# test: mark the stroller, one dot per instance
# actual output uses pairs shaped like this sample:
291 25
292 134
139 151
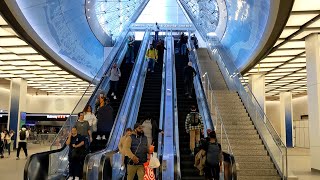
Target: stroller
1 149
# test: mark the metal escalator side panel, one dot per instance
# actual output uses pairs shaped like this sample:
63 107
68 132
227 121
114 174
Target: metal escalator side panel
168 158
93 161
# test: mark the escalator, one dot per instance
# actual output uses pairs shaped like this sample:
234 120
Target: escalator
126 69
52 164
188 171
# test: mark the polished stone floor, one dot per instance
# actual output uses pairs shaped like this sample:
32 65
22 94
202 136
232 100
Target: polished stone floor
12 169
299 163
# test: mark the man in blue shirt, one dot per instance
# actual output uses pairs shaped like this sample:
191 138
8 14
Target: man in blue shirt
76 150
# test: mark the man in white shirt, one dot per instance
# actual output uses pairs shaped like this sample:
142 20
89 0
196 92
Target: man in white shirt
22 141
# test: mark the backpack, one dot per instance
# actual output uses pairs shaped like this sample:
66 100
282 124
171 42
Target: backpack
213 153
194 119
23 135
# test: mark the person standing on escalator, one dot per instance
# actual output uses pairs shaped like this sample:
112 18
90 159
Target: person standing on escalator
189 74
130 51
115 75
83 128
194 126
76 154
104 118
152 56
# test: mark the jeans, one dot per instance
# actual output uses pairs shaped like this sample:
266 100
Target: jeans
130 55
8 147
188 85
114 87
183 49
22 145
151 64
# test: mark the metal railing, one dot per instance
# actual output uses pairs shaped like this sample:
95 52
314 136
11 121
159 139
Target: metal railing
209 109
272 141
93 167
58 161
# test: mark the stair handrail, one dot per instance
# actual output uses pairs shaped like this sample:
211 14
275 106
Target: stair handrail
234 80
208 93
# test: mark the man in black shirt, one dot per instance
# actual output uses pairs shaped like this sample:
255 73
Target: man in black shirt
76 150
188 74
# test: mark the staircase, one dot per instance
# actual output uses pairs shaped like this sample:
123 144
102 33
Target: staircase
250 154
188 171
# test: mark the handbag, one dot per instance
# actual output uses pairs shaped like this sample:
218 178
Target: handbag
154 162
148 172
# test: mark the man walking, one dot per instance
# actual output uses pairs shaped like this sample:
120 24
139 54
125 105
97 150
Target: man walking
22 141
194 126
83 128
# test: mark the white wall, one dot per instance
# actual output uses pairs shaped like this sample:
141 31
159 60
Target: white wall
273 114
54 104
299 106
4 98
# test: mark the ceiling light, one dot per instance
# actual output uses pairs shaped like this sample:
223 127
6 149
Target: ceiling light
302 5
2 21
293 44
276 59
12 41
292 52
300 19
305 33
33 57
22 50
4 32
287 32
9 56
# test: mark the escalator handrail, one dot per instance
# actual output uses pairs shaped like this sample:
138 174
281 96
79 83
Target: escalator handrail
26 166
135 103
121 108
176 122
113 54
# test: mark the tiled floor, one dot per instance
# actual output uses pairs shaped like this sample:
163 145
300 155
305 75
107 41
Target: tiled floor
299 164
12 169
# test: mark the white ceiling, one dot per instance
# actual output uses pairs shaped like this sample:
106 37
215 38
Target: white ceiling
20 60
285 66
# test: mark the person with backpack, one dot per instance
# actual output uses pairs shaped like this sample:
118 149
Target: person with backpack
213 158
152 56
130 51
194 126
22 141
115 75
136 148
7 141
83 128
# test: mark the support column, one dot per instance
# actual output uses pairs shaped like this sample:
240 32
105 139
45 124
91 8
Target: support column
257 84
286 118
313 83
17 105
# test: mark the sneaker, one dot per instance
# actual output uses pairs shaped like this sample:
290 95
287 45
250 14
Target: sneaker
152 71
114 97
98 137
192 153
148 70
70 178
112 94
17 158
103 137
76 178
190 97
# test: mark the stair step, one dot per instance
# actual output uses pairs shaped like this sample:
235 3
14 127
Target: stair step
242 152
245 147
257 172
258 177
256 165
245 159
